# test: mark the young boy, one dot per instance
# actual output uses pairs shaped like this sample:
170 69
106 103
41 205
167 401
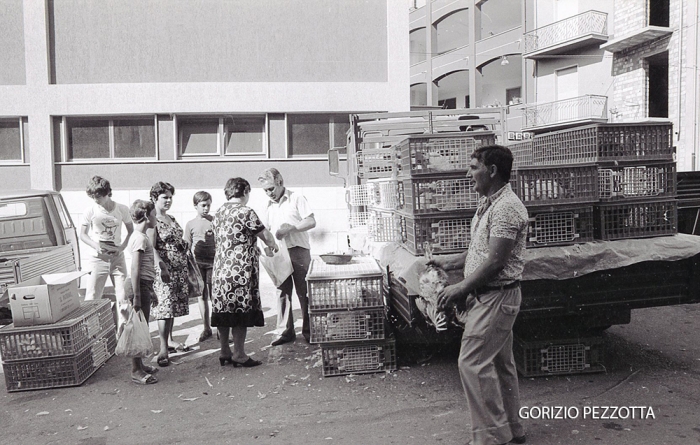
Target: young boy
101 230
200 236
143 272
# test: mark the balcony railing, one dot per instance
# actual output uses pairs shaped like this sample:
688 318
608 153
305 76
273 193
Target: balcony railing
586 23
576 109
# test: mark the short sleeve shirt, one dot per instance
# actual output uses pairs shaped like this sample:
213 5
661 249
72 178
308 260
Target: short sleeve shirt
200 236
502 215
139 242
291 209
104 225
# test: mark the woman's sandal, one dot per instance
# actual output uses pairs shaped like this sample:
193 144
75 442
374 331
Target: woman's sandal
247 364
147 379
181 347
163 362
149 369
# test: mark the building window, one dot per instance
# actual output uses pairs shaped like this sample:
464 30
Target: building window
657 88
221 136
315 134
513 96
448 104
12 139
110 138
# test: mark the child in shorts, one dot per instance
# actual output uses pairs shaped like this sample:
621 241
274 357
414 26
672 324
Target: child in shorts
143 272
200 237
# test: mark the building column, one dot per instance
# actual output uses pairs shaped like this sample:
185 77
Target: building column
36 53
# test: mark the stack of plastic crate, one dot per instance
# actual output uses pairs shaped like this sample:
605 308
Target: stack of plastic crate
437 200
347 317
601 181
61 354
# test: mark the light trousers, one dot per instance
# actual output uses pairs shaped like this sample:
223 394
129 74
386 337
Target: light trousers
487 368
301 260
105 266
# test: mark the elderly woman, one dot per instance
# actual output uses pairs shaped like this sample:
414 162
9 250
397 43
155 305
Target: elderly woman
235 291
170 248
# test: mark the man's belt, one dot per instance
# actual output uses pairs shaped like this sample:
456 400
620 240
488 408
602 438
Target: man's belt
483 289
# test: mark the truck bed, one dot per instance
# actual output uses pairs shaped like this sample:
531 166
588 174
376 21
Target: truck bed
23 265
584 280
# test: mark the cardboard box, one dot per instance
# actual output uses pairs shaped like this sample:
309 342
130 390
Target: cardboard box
45 299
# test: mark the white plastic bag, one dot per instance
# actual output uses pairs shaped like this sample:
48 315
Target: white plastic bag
279 266
135 340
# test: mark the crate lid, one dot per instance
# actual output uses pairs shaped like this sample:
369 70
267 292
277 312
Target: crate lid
360 266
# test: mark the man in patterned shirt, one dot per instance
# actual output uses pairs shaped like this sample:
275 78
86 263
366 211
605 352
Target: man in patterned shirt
493 267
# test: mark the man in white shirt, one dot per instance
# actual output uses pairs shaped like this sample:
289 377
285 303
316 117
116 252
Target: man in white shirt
289 217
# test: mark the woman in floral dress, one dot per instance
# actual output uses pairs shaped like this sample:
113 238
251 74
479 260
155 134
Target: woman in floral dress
170 248
235 291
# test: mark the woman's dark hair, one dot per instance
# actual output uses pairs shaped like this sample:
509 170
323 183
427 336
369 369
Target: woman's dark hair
140 210
160 188
97 187
497 155
236 188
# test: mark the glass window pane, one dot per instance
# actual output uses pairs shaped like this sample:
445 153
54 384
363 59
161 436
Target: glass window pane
199 137
10 146
88 138
309 134
244 134
134 138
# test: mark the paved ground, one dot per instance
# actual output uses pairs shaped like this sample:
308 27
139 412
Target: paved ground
653 362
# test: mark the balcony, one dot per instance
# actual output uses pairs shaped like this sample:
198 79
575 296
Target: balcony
585 29
562 113
643 35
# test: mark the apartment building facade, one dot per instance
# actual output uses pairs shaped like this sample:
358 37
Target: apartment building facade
193 92
556 63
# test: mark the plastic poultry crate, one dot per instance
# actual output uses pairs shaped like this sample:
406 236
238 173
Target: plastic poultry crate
442 233
604 142
639 219
358 358
383 226
535 358
377 163
439 153
573 184
560 225
355 285
344 326
65 337
437 193
617 183
358 219
522 154
56 372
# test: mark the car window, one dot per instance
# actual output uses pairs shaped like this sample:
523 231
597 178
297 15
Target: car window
63 212
12 209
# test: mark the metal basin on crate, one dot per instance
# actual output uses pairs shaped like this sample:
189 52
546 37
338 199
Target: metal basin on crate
336 258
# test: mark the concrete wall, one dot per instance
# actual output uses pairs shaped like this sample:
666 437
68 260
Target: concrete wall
182 57
12 70
218 41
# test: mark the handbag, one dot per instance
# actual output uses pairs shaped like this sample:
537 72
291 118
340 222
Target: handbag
279 266
194 277
135 340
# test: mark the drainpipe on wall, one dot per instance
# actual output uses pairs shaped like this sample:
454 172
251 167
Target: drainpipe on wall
680 75
696 77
